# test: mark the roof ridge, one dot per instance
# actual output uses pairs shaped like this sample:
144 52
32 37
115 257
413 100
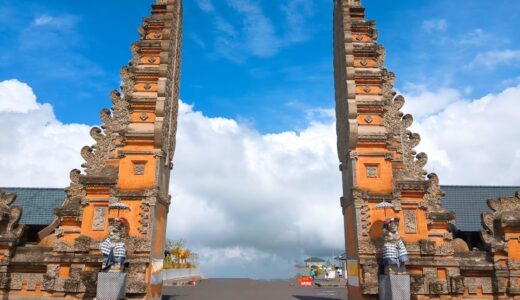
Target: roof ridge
33 188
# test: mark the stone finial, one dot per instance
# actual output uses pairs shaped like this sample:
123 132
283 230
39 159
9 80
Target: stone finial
9 217
505 212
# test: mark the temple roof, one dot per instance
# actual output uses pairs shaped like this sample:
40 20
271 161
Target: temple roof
38 203
468 202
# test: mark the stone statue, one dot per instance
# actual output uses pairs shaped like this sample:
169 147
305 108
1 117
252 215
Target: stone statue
113 247
394 252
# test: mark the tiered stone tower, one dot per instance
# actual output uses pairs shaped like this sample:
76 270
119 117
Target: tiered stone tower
379 163
128 166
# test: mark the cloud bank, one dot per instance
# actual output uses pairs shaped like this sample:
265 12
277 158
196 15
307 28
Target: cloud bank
251 204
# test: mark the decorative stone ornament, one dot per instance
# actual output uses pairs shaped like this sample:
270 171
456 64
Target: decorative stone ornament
10 230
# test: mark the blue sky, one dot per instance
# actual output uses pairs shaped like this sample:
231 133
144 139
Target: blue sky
257 90
265 63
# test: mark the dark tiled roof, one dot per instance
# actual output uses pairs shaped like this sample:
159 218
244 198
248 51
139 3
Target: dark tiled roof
314 259
468 202
38 203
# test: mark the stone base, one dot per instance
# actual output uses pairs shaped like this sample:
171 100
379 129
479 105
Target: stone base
111 286
394 287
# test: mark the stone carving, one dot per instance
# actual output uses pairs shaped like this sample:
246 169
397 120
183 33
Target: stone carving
113 248
396 199
410 221
388 86
82 243
136 278
99 219
5 280
434 194
395 255
417 284
457 285
89 280
127 77
114 122
392 115
372 171
10 215
437 287
139 168
476 283
171 107
367 246
505 212
427 247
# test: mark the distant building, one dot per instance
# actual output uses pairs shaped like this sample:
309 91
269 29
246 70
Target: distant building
315 262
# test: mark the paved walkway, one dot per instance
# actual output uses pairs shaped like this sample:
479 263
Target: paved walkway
247 289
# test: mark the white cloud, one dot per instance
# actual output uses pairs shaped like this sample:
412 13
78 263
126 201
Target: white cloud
296 14
63 22
224 26
205 5
434 25
474 141
43 20
476 37
422 102
36 149
259 200
258 30
252 33
491 59
16 97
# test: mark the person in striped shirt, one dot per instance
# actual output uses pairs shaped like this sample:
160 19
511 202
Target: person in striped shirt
394 251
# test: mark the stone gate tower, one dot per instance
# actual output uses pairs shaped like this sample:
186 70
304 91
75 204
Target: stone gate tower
126 174
379 163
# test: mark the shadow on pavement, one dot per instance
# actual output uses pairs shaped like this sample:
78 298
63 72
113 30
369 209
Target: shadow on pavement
314 298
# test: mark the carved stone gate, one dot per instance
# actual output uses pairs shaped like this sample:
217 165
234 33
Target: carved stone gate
379 163
128 166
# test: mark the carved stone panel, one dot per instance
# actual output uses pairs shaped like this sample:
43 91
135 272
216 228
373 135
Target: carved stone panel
410 221
372 171
457 285
99 219
139 167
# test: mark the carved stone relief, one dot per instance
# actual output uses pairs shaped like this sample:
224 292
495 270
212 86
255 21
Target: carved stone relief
410 221
372 171
505 211
99 219
139 167
10 217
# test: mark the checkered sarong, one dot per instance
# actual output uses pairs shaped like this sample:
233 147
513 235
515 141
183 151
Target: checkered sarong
118 248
